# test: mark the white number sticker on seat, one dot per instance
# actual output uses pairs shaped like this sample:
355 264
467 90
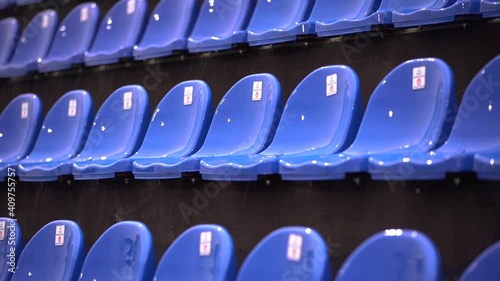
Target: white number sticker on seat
60 235
84 14
188 95
25 110
72 108
294 247
2 230
130 7
127 101
419 78
257 91
331 85
45 21
205 243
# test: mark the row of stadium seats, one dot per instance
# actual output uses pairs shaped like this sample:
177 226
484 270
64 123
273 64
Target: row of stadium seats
206 252
180 25
411 129
6 3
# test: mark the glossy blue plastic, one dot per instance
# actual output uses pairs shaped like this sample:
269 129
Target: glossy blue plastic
485 266
399 119
33 46
393 255
63 134
124 252
6 3
12 240
45 257
168 29
72 39
9 28
490 8
277 21
487 164
118 33
316 121
176 129
220 24
183 259
270 259
26 2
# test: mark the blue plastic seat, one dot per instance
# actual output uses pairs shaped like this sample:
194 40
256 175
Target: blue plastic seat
410 111
168 29
485 266
316 120
393 255
72 39
124 252
177 129
62 136
232 131
487 164
289 253
10 237
32 46
277 21
6 3
20 122
118 33
490 8
203 252
26 2
55 252
220 24
476 128
9 30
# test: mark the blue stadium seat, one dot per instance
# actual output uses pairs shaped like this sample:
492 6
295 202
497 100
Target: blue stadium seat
6 3
33 45
393 255
124 252
320 118
118 33
61 138
410 111
177 129
490 8
487 164
203 252
476 128
231 132
72 39
10 237
289 253
9 30
55 252
168 29
20 122
277 21
26 2
220 24
485 266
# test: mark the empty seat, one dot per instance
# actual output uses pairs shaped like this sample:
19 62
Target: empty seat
319 118
9 30
289 253
55 252
203 252
277 21
11 238
32 46
220 24
168 29
490 8
72 39
485 266
20 122
393 255
410 111
476 128
124 252
26 2
61 138
118 32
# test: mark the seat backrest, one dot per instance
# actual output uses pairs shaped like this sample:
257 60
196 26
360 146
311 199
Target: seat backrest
278 14
406 6
180 122
122 26
11 238
64 129
119 125
76 32
203 252
9 30
412 108
289 253
246 118
124 252
393 255
328 10
20 123
55 252
36 38
485 266
322 114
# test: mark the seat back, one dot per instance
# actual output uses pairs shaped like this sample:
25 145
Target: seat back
393 255
246 118
11 238
412 108
124 252
119 125
9 28
289 253
485 266
55 252
20 123
328 10
279 14
180 122
64 129
405 6
203 252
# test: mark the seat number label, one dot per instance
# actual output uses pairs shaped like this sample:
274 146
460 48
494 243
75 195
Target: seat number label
257 91
25 110
2 230
130 7
331 85
59 241
127 101
205 243
419 78
294 251
72 108
84 14
188 95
